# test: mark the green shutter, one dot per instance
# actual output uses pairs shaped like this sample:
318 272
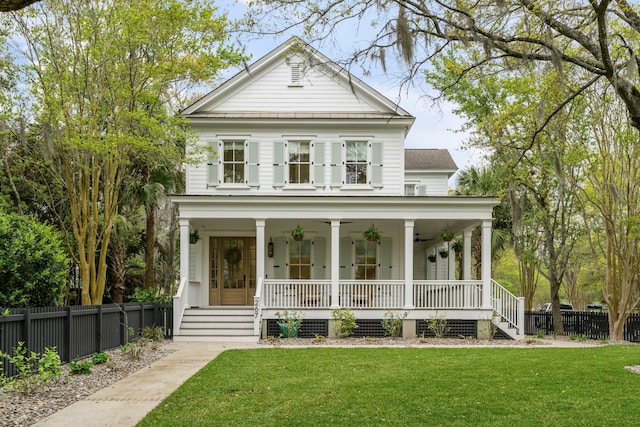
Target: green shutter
376 164
213 178
337 174
280 258
252 154
279 163
346 258
385 254
318 164
319 257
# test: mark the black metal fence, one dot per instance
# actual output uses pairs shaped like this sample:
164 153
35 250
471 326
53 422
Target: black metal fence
80 331
591 325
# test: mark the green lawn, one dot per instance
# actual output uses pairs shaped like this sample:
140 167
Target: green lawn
410 387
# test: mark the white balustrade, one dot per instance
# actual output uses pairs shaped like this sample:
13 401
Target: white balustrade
445 294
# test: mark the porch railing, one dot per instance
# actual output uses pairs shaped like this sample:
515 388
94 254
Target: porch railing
180 303
447 294
292 294
507 306
371 294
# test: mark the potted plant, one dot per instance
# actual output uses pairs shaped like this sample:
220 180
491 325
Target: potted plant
372 234
432 258
297 233
446 235
443 253
194 236
457 246
289 323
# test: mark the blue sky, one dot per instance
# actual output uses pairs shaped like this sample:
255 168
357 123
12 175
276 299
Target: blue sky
435 125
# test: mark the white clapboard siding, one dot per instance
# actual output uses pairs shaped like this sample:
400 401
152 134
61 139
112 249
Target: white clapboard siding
272 92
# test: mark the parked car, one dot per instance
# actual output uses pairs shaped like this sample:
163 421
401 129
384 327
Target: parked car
564 306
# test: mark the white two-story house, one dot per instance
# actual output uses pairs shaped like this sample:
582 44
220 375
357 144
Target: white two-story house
295 141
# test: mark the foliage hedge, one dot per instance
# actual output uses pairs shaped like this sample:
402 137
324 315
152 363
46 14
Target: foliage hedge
33 263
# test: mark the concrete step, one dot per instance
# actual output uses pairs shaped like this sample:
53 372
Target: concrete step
190 317
216 338
216 332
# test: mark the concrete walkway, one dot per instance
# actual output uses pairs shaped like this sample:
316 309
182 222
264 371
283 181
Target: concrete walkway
126 402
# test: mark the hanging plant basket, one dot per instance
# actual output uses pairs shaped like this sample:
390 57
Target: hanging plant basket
444 253
194 237
372 234
233 255
432 258
297 233
446 235
457 246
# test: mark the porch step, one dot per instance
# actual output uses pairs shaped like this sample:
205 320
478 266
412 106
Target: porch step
506 328
217 324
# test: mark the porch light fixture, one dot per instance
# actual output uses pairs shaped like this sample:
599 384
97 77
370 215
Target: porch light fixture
270 248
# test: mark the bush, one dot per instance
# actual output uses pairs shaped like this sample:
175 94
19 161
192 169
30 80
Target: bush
80 368
149 295
152 334
33 263
345 322
32 369
100 358
392 323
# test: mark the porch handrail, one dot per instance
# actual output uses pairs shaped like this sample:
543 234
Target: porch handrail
258 304
372 294
447 294
180 304
294 294
509 307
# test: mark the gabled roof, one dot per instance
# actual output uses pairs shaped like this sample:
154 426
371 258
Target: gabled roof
382 107
429 160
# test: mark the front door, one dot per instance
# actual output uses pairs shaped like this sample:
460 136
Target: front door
233 270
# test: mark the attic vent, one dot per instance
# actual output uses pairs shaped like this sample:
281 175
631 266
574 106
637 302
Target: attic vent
296 75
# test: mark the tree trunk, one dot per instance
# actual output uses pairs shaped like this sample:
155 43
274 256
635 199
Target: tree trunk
149 251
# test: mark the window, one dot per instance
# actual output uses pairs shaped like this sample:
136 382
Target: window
409 189
233 162
356 162
299 259
299 162
366 260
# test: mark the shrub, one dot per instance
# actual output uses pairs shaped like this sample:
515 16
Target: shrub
149 295
131 350
437 324
32 369
392 323
100 358
345 322
152 334
80 368
33 263
289 323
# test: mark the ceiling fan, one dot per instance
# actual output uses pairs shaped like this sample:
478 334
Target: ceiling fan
418 239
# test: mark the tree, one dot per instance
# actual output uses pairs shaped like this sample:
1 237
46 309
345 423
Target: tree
611 203
10 5
597 39
33 263
503 110
104 76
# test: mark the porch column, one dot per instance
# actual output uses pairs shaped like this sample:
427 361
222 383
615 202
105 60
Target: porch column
466 255
184 248
335 263
408 264
452 262
260 243
486 264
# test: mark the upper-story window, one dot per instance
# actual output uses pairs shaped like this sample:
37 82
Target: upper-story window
233 162
299 162
356 162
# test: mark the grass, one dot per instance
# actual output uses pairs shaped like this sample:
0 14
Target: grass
409 387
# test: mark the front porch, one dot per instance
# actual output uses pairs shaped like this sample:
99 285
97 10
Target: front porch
247 257
458 300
